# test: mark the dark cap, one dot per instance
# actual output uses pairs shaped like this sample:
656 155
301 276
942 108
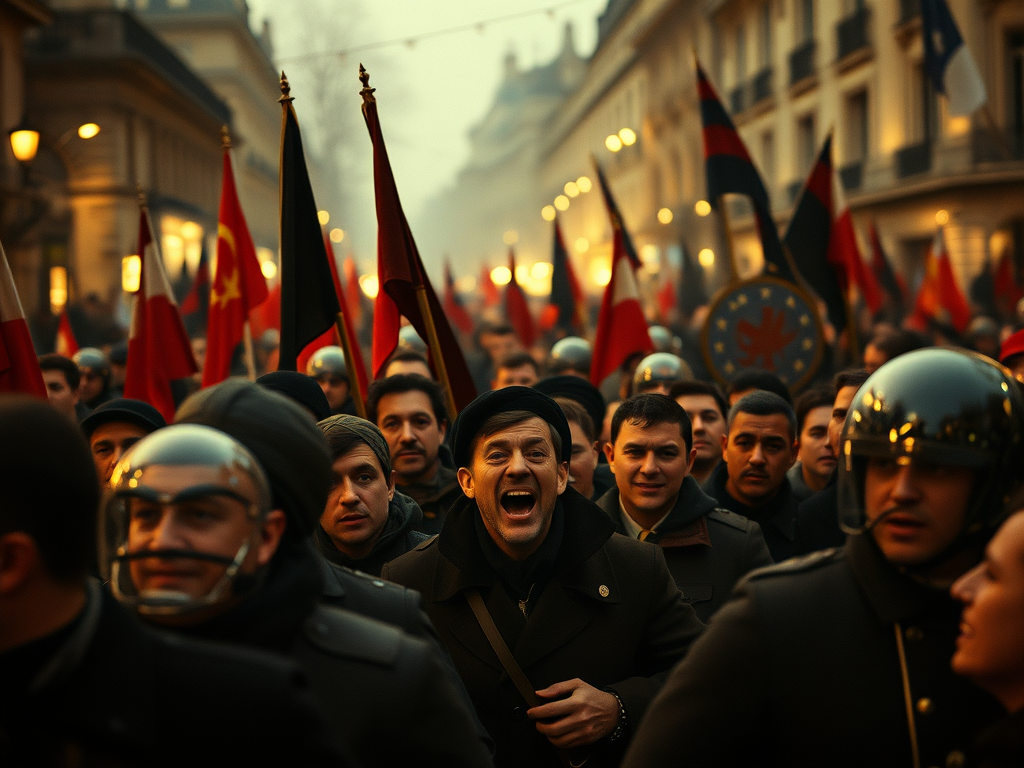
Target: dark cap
300 388
580 390
142 415
282 436
467 425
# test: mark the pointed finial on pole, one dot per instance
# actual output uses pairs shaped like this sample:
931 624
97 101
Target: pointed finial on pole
141 196
286 89
225 137
367 91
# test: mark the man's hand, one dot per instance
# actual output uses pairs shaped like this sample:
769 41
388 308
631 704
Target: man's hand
581 715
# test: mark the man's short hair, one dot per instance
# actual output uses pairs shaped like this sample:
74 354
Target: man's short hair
518 360
893 342
506 419
758 379
648 410
54 362
851 377
408 356
406 382
818 397
686 388
495 329
574 412
55 496
762 403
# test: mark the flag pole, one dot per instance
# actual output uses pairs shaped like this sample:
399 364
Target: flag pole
723 212
358 396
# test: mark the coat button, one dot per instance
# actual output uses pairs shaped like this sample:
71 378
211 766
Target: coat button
925 706
603 591
914 634
518 714
956 759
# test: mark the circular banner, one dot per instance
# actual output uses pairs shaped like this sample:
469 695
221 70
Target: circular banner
767 324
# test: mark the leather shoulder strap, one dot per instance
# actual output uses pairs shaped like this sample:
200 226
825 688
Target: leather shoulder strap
515 673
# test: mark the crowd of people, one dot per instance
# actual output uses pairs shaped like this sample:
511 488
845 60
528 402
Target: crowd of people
653 572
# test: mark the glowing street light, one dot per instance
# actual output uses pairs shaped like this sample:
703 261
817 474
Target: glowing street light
511 237
337 235
562 203
582 245
628 136
613 142
583 182
702 208
548 213
24 142
541 270
706 257
665 216
131 273
370 285
942 217
571 189
88 130
323 217
501 275
269 269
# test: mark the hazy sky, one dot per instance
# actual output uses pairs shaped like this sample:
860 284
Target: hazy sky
429 94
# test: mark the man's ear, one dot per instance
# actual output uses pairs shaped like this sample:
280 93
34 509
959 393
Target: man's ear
19 557
466 481
609 452
563 477
689 461
725 444
270 536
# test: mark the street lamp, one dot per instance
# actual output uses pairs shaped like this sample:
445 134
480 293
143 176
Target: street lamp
24 142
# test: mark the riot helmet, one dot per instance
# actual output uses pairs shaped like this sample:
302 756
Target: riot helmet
938 406
570 354
92 358
95 375
409 338
660 371
183 516
661 338
327 363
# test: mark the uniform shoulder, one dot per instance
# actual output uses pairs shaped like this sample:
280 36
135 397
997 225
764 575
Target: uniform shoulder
349 635
731 519
815 561
431 541
373 596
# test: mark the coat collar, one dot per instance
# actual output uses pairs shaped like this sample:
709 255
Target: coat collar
691 505
780 512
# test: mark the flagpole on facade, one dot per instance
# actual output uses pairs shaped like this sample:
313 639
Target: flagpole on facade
723 212
358 396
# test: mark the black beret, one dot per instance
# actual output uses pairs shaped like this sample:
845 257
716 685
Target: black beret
135 412
282 436
300 388
580 390
467 425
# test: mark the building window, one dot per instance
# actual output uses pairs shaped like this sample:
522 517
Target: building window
805 20
768 159
856 146
805 144
764 42
741 54
923 106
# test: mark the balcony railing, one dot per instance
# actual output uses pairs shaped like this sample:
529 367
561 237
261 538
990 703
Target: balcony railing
997 145
913 159
738 98
852 175
852 32
801 63
762 85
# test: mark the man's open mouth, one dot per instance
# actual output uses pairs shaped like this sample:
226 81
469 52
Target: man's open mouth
517 503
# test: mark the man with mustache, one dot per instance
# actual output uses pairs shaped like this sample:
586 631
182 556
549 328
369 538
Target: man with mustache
842 658
409 410
527 569
757 451
708 549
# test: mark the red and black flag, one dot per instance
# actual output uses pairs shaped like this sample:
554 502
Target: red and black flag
402 279
195 304
889 280
309 304
517 310
808 235
566 305
616 217
729 169
453 303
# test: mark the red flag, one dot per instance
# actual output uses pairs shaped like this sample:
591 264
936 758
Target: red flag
492 297
19 366
888 279
158 347
453 304
197 298
238 287
353 293
843 250
567 305
666 296
939 292
1005 287
516 308
268 314
402 279
67 344
621 327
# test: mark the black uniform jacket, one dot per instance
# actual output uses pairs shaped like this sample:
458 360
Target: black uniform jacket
385 692
609 614
109 691
707 548
434 498
803 668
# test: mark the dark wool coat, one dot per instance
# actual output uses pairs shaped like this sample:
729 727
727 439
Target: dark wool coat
610 614
803 668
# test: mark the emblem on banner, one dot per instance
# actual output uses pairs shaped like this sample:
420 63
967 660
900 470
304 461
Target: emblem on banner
763 323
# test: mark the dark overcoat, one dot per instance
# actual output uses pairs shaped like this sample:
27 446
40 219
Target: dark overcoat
610 614
833 659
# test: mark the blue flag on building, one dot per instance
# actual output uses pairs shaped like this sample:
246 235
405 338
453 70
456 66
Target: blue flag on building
949 61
